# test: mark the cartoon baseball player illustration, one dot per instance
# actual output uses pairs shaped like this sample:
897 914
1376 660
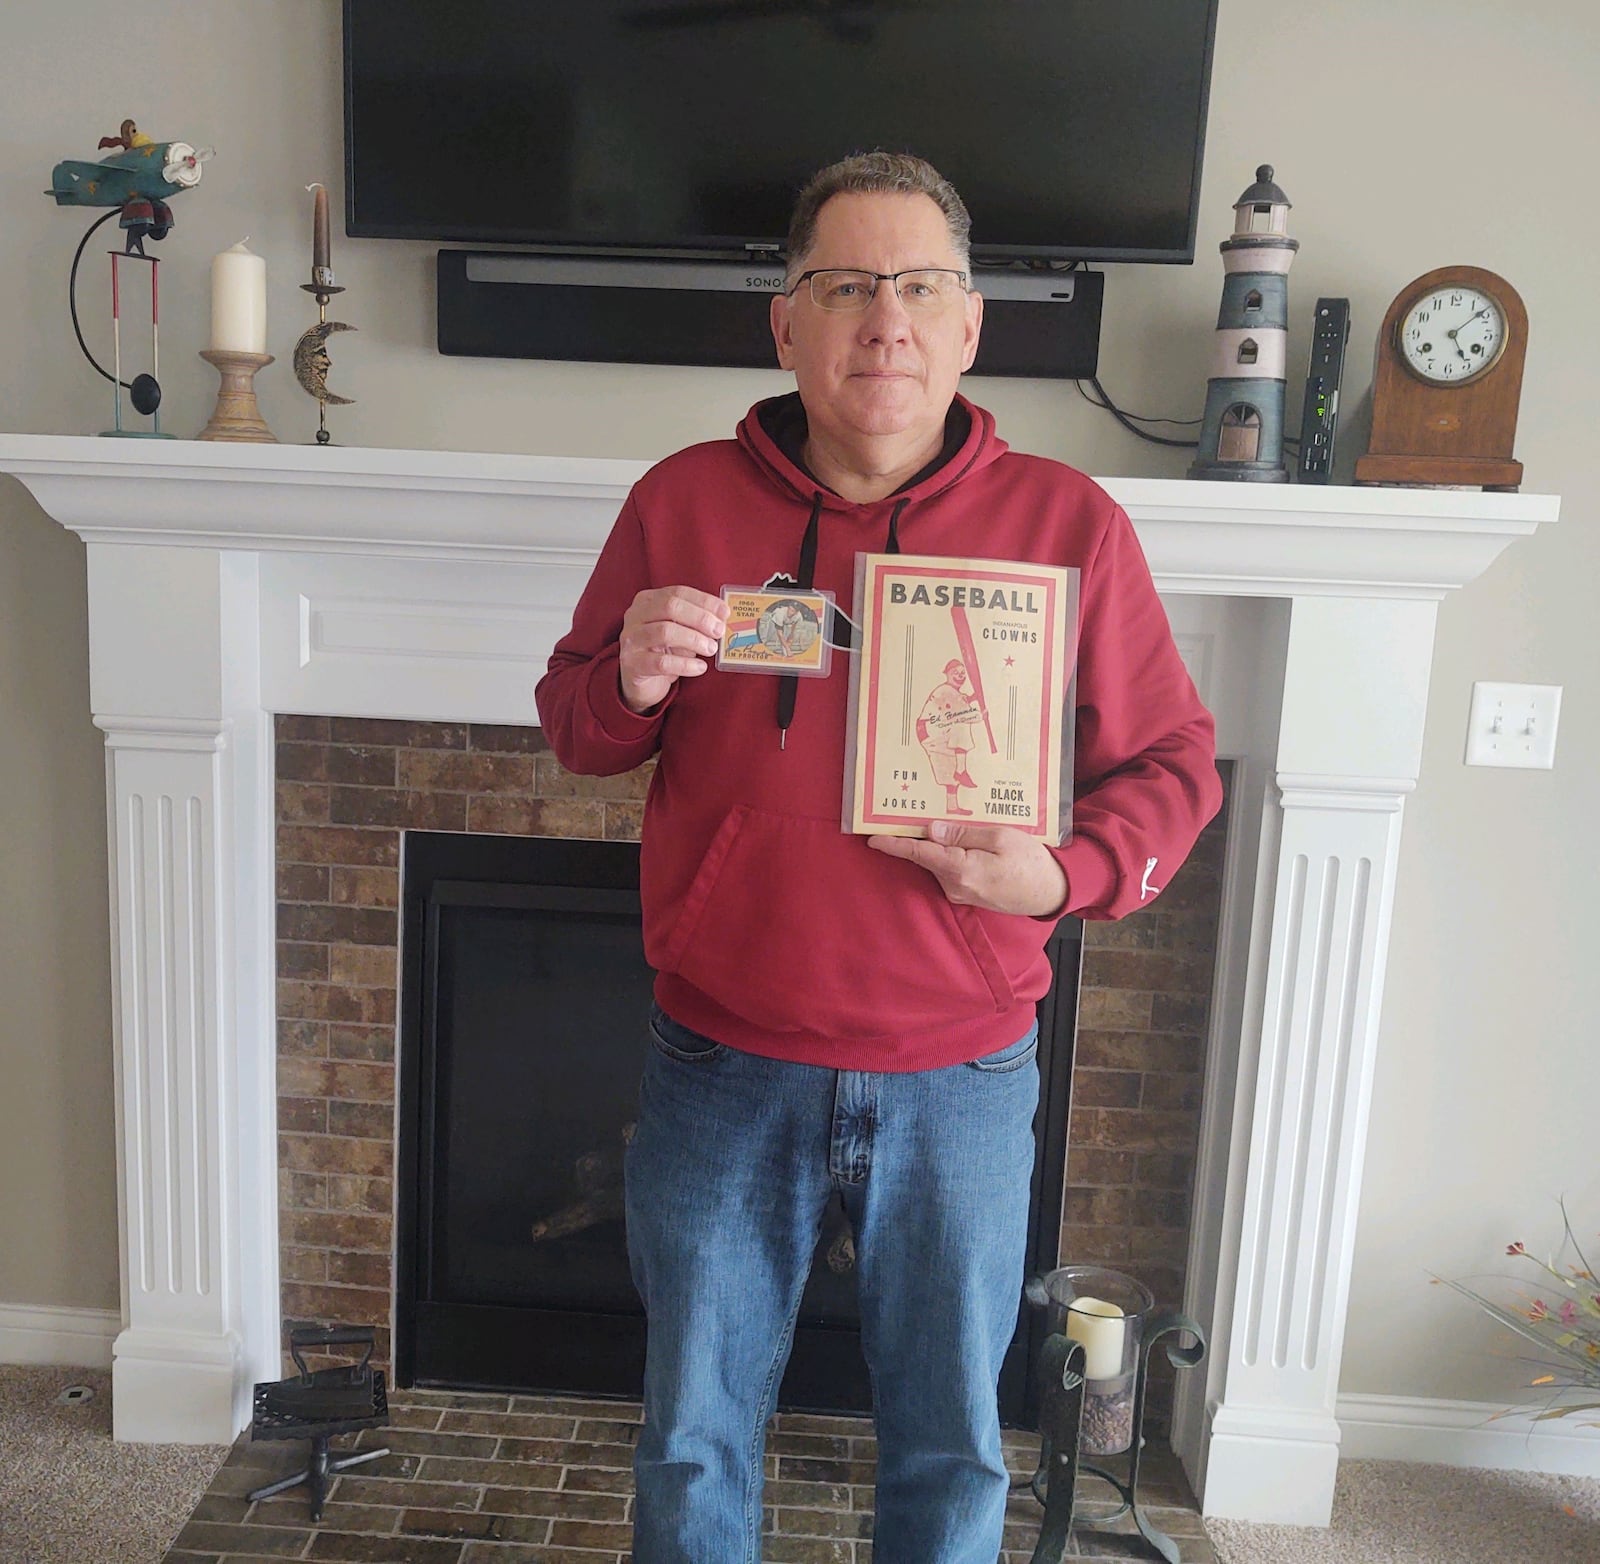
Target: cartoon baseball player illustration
945 730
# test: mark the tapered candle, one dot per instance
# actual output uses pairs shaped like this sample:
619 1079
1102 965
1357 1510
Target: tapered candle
321 263
319 228
238 301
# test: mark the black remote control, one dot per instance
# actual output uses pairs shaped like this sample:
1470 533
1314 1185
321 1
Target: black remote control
1330 330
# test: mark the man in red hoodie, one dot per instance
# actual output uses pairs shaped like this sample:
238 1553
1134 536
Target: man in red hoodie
877 1040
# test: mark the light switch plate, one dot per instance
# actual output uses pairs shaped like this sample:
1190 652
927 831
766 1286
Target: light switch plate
1513 725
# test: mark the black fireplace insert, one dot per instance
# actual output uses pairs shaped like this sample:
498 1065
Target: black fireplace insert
522 1035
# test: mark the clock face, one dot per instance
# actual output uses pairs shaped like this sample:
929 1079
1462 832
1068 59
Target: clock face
1451 335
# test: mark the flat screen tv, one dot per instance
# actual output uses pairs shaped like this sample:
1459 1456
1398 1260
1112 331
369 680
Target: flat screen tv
1073 128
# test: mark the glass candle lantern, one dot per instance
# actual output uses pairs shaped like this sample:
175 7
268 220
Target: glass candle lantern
1106 1311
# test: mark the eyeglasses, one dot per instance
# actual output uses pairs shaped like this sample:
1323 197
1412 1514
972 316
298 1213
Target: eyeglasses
926 288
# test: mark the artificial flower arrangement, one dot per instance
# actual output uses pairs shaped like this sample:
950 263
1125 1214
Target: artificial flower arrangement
1561 1316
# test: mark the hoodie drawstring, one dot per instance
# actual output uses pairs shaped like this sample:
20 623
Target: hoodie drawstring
789 684
893 544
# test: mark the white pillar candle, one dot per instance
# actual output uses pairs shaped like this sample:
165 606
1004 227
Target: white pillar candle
238 302
1099 1326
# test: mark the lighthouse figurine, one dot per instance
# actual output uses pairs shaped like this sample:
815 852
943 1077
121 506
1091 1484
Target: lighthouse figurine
1241 435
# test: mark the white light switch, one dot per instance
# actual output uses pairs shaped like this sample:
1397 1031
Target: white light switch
1513 725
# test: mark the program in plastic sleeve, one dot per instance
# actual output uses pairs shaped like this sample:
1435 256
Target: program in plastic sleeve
961 708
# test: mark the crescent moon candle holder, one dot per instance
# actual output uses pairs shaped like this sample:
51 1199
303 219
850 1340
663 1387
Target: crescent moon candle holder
311 354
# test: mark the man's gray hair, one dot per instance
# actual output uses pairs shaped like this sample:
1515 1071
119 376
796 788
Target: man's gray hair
875 173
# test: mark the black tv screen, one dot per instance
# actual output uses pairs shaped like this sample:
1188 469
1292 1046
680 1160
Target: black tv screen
1072 128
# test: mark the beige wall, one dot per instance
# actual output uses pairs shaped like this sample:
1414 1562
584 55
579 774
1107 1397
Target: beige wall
1430 133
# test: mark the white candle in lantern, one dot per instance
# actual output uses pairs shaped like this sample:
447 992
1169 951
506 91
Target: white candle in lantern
1099 1326
238 301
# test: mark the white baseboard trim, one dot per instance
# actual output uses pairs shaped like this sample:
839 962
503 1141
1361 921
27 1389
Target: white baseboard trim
1461 1433
41 1334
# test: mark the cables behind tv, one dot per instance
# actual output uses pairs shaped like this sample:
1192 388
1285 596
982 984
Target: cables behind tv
1101 398
1131 421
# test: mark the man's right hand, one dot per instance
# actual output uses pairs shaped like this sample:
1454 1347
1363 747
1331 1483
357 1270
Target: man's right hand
667 633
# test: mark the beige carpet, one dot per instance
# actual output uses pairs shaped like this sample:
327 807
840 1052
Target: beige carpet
1389 1512
70 1494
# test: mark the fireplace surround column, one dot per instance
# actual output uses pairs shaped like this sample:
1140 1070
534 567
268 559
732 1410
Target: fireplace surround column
1325 888
185 744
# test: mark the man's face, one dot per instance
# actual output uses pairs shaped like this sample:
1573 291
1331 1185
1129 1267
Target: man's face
882 370
958 675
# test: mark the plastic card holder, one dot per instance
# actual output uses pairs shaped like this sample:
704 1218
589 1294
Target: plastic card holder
776 631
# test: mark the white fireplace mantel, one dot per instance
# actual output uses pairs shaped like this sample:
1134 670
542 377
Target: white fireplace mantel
231 582
1249 539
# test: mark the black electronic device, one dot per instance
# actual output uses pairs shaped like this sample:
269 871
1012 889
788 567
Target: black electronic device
617 310
1319 418
1073 129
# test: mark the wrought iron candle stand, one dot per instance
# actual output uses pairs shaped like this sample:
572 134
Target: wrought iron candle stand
1064 1383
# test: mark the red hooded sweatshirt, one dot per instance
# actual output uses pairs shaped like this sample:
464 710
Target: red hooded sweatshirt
771 929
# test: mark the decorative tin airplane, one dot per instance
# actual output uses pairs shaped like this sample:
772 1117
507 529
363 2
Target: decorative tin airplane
139 178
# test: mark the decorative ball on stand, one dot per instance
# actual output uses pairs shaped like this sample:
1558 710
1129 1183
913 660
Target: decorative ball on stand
145 394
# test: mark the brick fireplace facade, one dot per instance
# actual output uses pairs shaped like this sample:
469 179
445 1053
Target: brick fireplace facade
347 787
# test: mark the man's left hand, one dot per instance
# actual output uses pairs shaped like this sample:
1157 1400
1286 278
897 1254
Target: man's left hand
992 866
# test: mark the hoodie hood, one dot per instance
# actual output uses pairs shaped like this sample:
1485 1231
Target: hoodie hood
759 438
774 427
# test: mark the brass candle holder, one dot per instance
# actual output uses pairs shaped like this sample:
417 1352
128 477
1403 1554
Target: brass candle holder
237 417
311 362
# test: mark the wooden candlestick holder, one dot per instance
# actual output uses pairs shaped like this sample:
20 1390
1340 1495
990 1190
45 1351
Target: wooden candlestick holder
236 416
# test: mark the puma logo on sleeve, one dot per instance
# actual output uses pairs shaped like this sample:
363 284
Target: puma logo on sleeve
1146 889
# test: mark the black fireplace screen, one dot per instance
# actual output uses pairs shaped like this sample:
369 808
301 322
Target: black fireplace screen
522 1038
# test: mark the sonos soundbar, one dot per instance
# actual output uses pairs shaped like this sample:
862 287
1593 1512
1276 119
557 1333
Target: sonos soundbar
634 310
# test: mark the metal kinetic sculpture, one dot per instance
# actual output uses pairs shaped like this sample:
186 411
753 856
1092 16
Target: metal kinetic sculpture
135 182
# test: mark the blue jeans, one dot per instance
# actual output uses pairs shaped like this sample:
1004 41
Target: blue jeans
728 1177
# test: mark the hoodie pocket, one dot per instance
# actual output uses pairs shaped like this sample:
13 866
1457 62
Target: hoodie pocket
797 926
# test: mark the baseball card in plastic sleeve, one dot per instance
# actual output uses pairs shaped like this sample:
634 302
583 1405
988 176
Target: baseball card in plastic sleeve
776 631
962 701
